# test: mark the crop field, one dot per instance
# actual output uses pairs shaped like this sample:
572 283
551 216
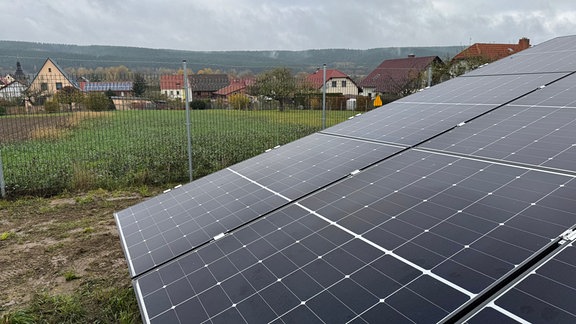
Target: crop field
52 154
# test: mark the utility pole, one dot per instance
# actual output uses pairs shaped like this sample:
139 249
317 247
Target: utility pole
187 105
324 98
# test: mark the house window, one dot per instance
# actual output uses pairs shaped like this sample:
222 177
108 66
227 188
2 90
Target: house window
177 92
44 86
344 84
58 85
49 69
334 84
171 92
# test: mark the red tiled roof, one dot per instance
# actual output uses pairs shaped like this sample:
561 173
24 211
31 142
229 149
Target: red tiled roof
492 52
392 75
317 78
171 82
235 86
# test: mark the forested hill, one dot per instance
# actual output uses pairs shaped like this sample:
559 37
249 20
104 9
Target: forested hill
350 61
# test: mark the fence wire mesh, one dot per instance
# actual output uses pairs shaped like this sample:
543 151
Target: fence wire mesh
61 132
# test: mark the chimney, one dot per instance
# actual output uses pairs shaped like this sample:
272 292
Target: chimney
523 43
411 55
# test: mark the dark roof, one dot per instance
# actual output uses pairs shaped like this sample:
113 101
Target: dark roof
19 74
393 74
208 82
492 52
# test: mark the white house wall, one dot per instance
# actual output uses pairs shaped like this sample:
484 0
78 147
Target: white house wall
350 88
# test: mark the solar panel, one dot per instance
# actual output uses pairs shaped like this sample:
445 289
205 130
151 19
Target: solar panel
166 226
360 249
428 113
545 296
311 163
394 215
537 129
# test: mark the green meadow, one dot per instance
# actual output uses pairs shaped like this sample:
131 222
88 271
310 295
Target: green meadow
126 149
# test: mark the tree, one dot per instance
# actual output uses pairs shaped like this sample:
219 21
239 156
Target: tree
68 95
278 84
139 85
459 67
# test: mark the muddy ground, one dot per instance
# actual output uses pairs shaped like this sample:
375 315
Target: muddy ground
16 129
54 245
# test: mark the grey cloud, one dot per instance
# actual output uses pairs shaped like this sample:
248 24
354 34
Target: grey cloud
285 24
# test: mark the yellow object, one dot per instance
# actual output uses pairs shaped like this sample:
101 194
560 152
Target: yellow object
377 102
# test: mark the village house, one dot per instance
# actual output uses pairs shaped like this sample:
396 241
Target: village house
481 53
336 82
235 87
49 80
172 86
13 86
204 86
13 90
201 86
399 77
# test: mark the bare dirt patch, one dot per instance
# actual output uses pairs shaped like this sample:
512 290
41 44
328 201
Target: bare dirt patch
45 242
21 128
15 129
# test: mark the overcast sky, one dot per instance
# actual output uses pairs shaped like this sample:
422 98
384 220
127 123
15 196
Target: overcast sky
207 25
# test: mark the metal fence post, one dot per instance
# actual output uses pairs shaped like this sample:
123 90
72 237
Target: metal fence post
324 98
188 132
2 182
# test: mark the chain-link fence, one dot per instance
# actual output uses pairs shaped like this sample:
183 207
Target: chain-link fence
61 133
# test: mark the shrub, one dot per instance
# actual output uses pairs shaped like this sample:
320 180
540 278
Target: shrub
52 106
239 101
199 105
98 102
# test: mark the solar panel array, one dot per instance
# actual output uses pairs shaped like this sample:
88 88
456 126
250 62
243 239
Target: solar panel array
453 204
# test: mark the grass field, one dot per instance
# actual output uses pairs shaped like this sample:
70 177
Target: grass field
122 149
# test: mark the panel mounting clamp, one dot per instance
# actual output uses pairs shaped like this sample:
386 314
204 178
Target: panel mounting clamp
568 236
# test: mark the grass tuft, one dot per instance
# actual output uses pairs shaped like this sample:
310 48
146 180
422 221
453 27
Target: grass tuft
70 275
6 235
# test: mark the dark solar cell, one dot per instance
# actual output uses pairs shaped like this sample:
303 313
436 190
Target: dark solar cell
545 296
537 129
